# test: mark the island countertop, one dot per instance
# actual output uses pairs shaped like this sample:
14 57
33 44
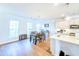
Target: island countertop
66 38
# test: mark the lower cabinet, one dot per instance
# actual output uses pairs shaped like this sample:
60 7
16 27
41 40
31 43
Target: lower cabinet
66 48
55 47
69 49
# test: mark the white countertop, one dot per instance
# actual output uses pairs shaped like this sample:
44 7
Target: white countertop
66 38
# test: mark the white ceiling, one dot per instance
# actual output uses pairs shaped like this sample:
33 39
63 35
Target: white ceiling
42 10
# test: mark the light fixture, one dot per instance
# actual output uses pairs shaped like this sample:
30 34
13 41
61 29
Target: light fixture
67 3
67 18
63 4
56 4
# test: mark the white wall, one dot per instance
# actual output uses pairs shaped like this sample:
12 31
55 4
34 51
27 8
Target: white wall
7 14
4 27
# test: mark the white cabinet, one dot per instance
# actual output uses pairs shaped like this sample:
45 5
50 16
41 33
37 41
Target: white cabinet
55 47
68 48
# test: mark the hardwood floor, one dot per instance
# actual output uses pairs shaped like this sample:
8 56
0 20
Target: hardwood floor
44 45
23 48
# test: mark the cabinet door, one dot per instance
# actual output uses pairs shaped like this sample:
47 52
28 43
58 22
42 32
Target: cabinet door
66 48
56 47
74 50
70 48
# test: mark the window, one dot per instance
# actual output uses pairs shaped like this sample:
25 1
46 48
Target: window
29 28
14 27
38 27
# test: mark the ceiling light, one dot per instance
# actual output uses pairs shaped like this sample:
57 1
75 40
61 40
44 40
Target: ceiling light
67 18
56 4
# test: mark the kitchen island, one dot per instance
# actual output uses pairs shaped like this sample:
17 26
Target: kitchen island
68 44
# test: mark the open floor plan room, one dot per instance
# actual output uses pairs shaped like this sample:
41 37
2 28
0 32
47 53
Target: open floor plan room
39 29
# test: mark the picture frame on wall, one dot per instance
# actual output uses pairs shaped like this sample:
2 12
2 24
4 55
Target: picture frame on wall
74 26
46 25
